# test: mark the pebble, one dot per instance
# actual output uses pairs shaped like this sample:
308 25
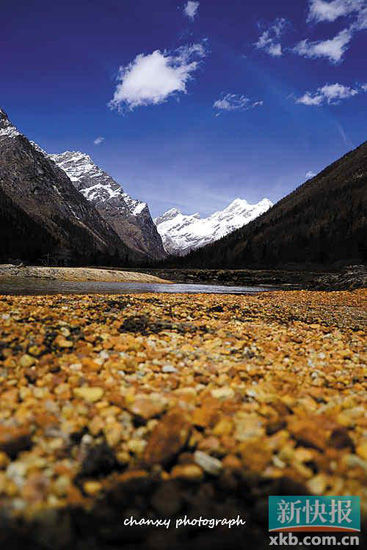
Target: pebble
188 472
62 342
317 484
89 394
14 439
92 488
26 361
167 438
194 392
146 408
4 460
169 369
362 450
208 463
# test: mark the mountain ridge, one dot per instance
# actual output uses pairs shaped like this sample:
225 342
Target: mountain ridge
42 213
130 218
182 233
323 222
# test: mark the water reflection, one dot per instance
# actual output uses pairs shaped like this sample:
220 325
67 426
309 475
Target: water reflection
29 286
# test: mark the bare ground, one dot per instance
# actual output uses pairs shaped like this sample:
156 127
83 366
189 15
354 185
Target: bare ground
78 274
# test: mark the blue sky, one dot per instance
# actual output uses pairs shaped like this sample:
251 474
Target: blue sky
197 102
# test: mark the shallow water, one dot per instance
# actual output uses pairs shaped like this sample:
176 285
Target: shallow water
29 286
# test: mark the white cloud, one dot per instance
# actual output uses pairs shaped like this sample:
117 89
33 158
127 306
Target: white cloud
191 9
269 41
310 174
151 79
361 22
336 92
235 102
310 99
98 140
364 87
321 10
332 94
329 11
333 49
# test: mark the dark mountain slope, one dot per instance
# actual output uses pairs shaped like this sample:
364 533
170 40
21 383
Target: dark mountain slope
42 214
27 237
129 218
323 222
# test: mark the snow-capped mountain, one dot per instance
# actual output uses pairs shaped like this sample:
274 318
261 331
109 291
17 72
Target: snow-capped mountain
42 215
130 218
182 233
7 129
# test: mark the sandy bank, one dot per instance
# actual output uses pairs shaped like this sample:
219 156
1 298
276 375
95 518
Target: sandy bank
78 274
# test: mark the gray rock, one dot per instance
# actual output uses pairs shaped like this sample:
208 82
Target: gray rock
130 218
208 463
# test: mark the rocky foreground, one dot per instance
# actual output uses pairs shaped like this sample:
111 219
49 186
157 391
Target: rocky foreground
151 406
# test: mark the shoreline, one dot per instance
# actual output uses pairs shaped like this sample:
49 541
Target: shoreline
78 274
349 278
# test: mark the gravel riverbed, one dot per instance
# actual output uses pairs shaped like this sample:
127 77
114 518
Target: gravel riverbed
152 406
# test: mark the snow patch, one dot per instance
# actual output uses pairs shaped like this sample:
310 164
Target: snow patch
182 233
95 184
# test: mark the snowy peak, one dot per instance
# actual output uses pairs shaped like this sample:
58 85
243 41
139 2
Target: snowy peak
182 233
243 209
38 148
43 216
95 184
169 215
78 167
4 120
130 218
177 216
7 129
237 203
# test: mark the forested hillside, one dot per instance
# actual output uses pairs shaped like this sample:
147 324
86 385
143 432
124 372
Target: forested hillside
323 222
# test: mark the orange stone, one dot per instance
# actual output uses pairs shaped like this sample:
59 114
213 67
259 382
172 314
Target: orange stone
146 408
255 455
208 414
167 438
187 472
13 440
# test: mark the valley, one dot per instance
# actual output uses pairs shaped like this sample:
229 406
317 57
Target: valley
155 368
183 274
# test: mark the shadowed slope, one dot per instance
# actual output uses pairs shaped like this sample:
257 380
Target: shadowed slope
323 222
42 214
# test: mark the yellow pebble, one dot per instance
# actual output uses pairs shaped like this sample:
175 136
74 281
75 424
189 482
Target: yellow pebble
92 488
362 450
26 361
90 394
